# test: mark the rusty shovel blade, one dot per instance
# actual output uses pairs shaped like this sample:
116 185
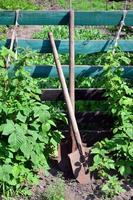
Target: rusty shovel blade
78 168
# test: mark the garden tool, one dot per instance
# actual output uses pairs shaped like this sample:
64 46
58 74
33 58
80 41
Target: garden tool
78 158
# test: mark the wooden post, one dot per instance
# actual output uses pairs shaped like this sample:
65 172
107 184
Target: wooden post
72 73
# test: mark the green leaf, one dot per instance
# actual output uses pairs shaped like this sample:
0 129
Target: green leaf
2 63
95 151
16 171
44 116
130 132
122 170
12 182
52 123
34 158
8 128
16 139
97 159
21 117
26 148
53 142
131 151
46 127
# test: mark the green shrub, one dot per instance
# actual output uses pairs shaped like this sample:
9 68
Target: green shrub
115 156
27 127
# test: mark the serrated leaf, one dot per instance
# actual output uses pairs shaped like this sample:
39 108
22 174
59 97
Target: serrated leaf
122 170
15 140
95 151
131 151
46 127
53 142
44 116
34 135
2 63
97 159
21 117
130 132
26 149
16 171
12 182
8 128
34 158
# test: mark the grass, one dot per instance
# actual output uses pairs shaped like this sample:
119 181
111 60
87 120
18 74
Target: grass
76 4
62 32
93 5
18 4
55 191
3 30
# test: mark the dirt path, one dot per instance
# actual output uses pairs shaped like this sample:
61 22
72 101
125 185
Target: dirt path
25 31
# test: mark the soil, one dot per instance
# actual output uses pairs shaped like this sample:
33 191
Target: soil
76 191
25 31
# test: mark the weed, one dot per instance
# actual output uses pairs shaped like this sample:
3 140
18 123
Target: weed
93 5
19 4
55 191
3 31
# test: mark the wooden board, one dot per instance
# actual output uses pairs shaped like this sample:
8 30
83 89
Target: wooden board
81 47
80 94
93 117
94 18
90 137
90 120
80 71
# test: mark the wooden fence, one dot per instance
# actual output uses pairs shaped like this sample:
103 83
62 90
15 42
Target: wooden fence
101 18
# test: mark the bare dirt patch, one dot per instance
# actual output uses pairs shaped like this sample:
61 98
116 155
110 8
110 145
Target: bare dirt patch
25 31
76 191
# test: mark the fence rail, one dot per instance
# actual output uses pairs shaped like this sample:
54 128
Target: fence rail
97 18
80 71
81 47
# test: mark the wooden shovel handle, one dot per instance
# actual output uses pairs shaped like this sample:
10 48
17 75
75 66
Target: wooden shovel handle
66 95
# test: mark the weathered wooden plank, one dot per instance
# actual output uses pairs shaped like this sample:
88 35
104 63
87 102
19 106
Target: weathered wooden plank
90 137
80 71
93 18
91 121
35 17
81 47
104 18
80 94
98 117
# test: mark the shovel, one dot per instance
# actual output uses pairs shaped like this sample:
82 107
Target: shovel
78 158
